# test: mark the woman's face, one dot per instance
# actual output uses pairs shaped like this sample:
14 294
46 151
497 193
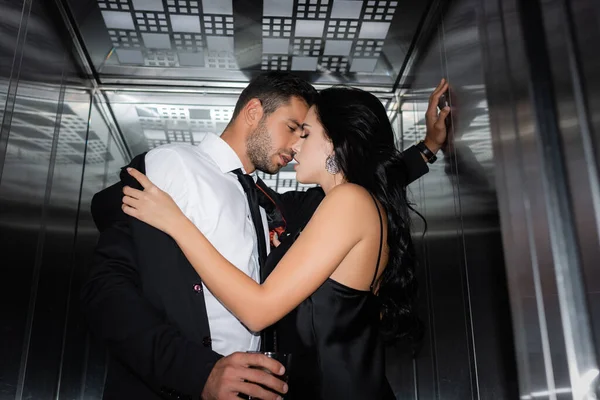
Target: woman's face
312 151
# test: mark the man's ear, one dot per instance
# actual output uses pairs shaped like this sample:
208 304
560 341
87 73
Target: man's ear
253 112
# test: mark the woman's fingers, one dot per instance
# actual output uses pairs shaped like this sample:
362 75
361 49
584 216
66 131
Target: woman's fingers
130 201
131 192
141 178
129 210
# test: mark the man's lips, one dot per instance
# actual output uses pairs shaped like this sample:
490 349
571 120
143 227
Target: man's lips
285 159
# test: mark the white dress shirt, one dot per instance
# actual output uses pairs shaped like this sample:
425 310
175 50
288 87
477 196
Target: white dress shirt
200 180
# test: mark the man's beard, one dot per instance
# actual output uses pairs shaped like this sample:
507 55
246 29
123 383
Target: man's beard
258 146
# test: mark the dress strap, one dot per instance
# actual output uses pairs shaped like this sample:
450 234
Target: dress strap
380 241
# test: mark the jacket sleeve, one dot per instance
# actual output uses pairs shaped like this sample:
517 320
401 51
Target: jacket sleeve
415 165
301 205
133 330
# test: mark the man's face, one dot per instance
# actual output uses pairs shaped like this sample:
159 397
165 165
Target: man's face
270 145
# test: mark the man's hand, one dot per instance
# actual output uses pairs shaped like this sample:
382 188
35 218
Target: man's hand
275 242
436 126
232 375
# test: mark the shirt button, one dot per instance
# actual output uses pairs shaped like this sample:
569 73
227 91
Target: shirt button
206 341
198 288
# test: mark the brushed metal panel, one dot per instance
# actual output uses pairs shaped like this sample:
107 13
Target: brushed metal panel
548 303
45 137
468 351
23 192
569 28
84 365
54 288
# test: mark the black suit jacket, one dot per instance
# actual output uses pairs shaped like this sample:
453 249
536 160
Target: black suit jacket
144 300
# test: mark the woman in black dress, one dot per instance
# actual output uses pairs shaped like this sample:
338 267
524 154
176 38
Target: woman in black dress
350 272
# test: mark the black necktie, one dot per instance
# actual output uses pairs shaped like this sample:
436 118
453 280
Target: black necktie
268 336
252 194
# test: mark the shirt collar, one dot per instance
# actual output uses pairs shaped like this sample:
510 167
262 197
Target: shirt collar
221 153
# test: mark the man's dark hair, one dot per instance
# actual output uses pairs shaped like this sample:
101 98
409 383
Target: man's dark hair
275 89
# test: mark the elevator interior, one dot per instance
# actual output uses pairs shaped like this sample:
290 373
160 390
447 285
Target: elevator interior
508 269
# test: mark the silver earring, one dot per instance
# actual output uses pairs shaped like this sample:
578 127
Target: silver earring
331 165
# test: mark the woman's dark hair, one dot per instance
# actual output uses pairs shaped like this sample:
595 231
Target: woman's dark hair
363 141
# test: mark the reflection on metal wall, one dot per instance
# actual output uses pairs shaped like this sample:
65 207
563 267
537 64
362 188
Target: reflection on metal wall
468 351
51 162
540 88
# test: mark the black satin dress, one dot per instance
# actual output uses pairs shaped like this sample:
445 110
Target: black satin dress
337 352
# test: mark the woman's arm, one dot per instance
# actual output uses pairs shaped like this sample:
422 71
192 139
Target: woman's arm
329 236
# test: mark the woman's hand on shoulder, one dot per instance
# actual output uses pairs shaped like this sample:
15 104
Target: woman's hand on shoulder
151 205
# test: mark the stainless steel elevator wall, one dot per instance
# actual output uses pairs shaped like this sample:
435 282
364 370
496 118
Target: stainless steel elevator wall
542 82
51 162
468 352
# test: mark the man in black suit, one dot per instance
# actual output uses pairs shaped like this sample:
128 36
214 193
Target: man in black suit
147 304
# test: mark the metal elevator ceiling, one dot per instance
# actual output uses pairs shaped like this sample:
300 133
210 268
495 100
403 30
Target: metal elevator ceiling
172 70
358 42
